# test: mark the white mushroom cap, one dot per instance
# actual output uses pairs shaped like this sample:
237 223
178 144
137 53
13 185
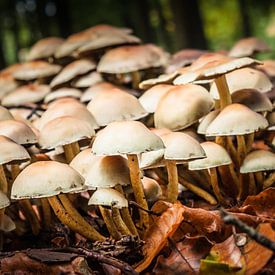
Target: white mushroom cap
152 159
45 179
259 160
126 137
5 114
87 80
206 121
115 106
152 189
17 131
11 151
63 92
236 119
216 156
4 200
271 121
64 130
108 171
108 197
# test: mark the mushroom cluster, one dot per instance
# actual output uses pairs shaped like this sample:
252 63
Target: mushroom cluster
101 118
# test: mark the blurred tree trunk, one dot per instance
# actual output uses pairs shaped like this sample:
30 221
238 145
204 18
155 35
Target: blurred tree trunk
245 17
188 24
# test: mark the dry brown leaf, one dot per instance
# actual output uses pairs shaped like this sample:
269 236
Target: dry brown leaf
257 256
163 228
185 259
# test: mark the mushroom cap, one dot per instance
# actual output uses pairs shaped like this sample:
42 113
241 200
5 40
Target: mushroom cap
4 200
63 92
74 69
126 137
115 106
152 189
5 114
108 197
248 46
44 48
236 119
36 69
17 131
259 160
45 179
30 93
206 121
268 68
271 120
182 106
83 161
127 59
87 80
245 78
7 84
216 156
152 159
254 100
150 99
64 130
108 171
11 151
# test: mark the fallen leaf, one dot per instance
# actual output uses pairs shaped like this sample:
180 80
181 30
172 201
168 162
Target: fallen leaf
163 228
209 267
256 255
185 259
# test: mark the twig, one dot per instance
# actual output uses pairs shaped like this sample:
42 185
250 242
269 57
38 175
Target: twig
250 231
143 209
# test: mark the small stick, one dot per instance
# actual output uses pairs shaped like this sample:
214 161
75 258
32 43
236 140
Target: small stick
150 212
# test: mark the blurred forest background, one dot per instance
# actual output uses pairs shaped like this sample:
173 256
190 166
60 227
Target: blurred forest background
172 24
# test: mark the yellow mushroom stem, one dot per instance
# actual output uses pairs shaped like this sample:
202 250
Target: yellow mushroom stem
269 181
244 186
66 203
241 149
15 171
46 211
221 141
3 180
121 226
136 79
259 180
68 220
215 185
222 87
201 177
71 150
138 190
232 150
234 176
2 213
249 142
126 216
173 181
227 180
107 217
198 191
217 104
252 185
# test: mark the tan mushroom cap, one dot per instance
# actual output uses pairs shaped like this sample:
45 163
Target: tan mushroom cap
236 119
45 179
17 131
271 121
74 41
152 159
152 189
268 67
115 106
126 137
248 46
44 48
245 78
7 84
182 106
150 99
63 92
108 171
64 130
254 100
108 197
206 121
98 88
87 80
36 69
74 69
83 161
132 58
30 93
11 151
216 156
4 200
259 160
5 114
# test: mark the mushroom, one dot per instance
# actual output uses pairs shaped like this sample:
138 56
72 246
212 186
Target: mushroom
87 80
5 114
61 93
152 189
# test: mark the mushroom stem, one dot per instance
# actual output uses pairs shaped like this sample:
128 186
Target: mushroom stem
232 150
105 213
259 180
221 141
215 185
222 87
241 148
249 141
138 190
71 150
68 220
269 181
244 186
226 181
252 185
15 171
3 180
46 210
234 176
77 217
126 215
2 213
173 181
136 79
30 216
198 191
121 226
